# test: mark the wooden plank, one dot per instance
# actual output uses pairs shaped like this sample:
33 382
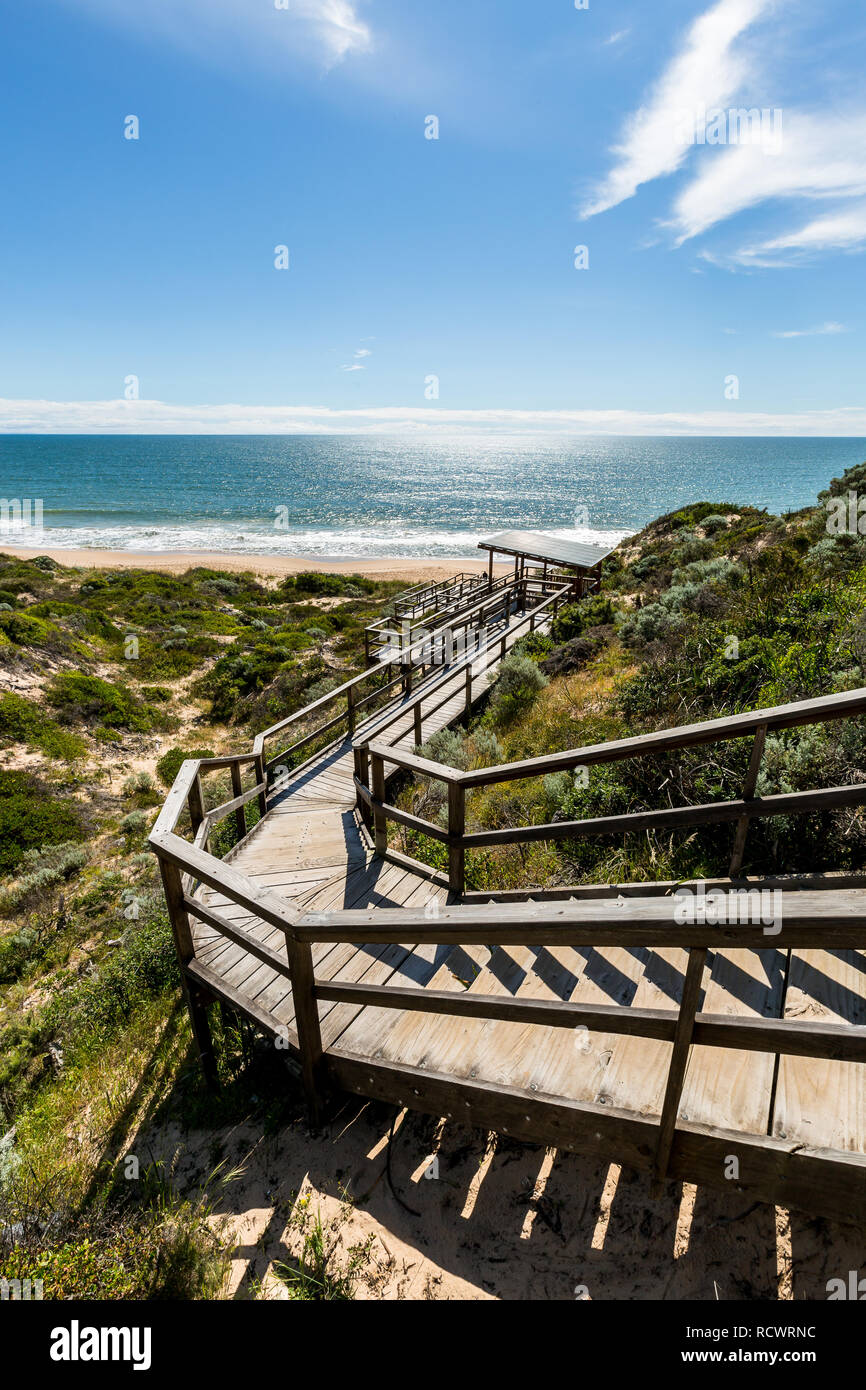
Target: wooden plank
824 1102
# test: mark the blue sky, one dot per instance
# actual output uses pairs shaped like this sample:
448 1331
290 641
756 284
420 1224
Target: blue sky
412 258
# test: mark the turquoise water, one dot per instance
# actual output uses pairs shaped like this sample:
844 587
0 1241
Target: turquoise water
352 496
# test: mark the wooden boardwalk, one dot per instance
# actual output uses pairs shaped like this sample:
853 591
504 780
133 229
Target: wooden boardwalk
313 857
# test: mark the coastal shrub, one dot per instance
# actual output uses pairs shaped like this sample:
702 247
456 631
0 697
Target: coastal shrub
25 631
691 548
534 644
311 582
320 688
26 722
169 764
714 523
653 623
30 818
89 699
515 686
157 694
134 823
107 735
446 746
43 870
86 1015
719 570
484 748
243 670
139 784
645 566
575 618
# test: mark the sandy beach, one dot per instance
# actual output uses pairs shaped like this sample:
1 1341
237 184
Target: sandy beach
177 562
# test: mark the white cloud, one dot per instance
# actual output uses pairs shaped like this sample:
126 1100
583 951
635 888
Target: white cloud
364 352
818 332
617 37
820 156
351 367
842 230
707 71
160 417
325 30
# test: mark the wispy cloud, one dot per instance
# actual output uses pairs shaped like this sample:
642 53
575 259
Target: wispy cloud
819 332
617 37
708 70
822 155
324 30
842 230
357 364
160 417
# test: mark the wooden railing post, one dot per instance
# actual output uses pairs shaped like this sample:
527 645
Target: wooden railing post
380 823
240 813
456 827
419 738
679 1060
468 689
748 793
362 772
262 776
307 1023
195 802
181 930
350 711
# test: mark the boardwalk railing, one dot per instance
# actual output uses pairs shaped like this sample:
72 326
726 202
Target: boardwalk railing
756 723
428 652
812 915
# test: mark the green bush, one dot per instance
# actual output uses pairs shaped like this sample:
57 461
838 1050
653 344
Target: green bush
169 764
26 722
44 870
31 818
575 618
515 686
134 823
311 582
91 699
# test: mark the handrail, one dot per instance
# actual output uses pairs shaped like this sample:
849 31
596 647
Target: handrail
414 657
844 705
469 661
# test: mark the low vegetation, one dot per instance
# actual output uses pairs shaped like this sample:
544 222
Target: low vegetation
108 682
710 610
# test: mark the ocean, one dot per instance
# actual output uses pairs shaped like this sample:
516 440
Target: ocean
353 497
